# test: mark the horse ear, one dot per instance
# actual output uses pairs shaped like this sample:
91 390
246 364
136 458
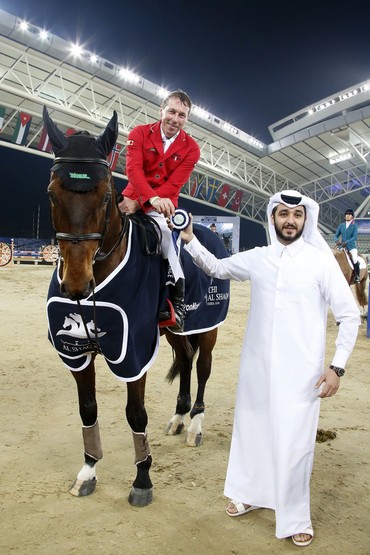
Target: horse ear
106 140
57 139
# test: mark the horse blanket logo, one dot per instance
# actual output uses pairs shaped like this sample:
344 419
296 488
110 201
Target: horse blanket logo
124 318
206 299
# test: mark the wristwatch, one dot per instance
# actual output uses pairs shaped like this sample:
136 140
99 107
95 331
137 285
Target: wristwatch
339 371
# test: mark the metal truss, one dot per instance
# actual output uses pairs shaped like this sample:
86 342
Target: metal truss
80 99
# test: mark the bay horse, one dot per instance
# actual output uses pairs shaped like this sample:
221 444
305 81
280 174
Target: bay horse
342 257
105 294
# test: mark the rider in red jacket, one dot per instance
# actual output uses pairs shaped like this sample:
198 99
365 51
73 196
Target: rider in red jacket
160 158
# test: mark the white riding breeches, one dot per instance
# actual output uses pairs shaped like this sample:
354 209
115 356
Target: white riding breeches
354 255
168 247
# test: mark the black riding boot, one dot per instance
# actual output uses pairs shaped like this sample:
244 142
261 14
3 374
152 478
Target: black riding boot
177 298
356 268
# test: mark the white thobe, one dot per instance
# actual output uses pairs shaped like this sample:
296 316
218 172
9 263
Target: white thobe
277 406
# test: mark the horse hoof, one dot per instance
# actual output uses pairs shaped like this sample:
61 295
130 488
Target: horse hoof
82 488
174 429
194 440
140 497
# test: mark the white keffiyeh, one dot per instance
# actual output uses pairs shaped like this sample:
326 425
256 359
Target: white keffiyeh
292 198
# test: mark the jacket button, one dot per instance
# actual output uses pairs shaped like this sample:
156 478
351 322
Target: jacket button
157 176
161 164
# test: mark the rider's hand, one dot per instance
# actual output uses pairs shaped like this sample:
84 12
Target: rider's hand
164 206
129 206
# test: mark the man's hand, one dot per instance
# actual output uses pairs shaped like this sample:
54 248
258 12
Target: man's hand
129 206
187 234
331 383
164 206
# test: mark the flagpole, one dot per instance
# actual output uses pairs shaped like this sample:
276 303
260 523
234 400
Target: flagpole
38 222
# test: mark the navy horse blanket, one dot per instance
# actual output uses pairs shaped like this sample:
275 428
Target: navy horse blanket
206 299
121 315
123 320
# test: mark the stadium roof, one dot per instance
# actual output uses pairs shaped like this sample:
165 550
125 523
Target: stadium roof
322 150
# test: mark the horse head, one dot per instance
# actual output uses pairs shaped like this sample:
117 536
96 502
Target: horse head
84 212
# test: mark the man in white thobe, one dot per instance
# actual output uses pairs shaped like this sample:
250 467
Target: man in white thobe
282 375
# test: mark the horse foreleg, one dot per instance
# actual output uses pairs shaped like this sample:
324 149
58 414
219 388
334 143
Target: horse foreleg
207 342
141 493
85 482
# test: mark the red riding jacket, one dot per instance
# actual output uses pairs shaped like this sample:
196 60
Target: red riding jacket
152 172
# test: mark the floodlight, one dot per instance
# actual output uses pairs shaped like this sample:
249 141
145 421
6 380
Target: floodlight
200 112
162 92
43 34
128 75
76 50
340 158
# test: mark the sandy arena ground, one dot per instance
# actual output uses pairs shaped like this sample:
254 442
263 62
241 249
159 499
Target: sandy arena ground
41 451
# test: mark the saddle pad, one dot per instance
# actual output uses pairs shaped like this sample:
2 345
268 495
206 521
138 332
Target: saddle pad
361 261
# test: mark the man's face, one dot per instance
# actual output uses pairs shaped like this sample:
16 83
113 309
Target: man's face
289 223
348 217
173 117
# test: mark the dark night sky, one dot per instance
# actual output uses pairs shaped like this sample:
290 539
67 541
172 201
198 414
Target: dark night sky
249 63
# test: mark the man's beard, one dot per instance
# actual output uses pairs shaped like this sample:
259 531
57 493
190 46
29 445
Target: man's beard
288 238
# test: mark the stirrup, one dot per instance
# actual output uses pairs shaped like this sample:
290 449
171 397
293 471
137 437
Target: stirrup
167 319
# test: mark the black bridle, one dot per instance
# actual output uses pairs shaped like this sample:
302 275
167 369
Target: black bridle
99 236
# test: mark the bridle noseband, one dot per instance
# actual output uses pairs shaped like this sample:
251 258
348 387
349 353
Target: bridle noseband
78 237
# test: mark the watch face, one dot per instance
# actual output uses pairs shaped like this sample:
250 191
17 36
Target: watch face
339 371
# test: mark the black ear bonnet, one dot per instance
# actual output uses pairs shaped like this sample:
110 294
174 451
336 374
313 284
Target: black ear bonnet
83 156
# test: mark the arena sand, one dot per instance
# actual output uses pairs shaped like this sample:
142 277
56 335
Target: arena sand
41 450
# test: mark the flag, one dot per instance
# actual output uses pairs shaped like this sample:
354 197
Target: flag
22 128
70 131
237 201
197 186
212 187
113 157
2 116
224 195
44 142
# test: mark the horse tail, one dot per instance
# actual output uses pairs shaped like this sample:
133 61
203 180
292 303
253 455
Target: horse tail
189 346
361 293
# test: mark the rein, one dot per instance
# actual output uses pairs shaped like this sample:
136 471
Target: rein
78 237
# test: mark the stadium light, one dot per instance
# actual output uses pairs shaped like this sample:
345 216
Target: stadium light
43 34
340 158
76 50
23 25
163 92
128 75
200 112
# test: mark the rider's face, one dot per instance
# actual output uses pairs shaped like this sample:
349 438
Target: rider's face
174 116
